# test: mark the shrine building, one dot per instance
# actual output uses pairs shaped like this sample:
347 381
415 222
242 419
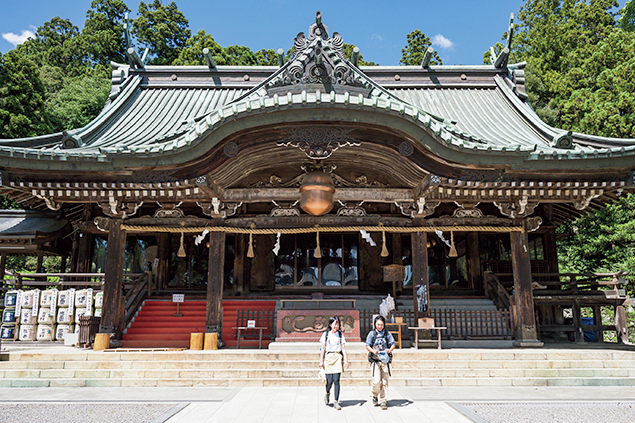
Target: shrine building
313 182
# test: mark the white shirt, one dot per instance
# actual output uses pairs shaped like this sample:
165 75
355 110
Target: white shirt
333 342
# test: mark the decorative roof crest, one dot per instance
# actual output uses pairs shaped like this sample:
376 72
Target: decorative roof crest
319 60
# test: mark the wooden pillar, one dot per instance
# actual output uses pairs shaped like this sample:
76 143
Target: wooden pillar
597 320
621 325
3 265
240 252
163 253
420 280
215 279
84 254
63 263
549 240
112 315
40 261
74 252
526 333
474 274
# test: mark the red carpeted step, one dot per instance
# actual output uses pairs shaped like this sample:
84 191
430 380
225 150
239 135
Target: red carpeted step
155 325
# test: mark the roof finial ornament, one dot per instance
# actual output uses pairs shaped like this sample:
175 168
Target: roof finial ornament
500 61
318 29
427 56
211 64
355 56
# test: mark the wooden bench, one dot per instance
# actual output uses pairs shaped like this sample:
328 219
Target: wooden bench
427 323
263 327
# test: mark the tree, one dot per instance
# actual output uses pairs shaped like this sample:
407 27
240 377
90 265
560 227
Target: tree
557 38
627 18
243 56
162 29
56 43
348 52
103 34
192 53
412 53
22 97
603 241
78 102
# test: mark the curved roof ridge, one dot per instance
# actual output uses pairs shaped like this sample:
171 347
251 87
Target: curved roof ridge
550 133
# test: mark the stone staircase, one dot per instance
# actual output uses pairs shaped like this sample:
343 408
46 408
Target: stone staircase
457 367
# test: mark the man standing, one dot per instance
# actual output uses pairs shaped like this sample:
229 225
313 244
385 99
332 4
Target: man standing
380 345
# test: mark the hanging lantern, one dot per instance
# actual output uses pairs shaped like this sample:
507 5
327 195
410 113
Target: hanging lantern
316 193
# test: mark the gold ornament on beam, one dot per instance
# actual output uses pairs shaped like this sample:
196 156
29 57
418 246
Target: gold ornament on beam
453 252
181 252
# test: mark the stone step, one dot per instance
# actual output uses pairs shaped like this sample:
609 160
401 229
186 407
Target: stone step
365 381
310 374
311 364
411 367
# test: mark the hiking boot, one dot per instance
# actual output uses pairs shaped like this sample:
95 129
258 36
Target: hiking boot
375 402
326 398
337 406
384 407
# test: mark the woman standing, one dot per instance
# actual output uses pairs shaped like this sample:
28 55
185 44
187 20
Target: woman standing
380 342
331 355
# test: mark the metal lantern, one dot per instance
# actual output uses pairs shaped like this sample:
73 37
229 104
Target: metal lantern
316 193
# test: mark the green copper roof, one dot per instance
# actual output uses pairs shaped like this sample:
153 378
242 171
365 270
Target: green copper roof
156 110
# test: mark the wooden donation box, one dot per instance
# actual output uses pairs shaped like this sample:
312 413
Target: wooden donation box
308 324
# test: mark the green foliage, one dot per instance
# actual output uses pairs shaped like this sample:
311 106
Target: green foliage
7 204
163 29
412 53
192 53
78 102
22 97
579 65
348 53
103 34
603 241
56 43
627 18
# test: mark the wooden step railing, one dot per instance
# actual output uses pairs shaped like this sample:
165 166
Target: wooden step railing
136 290
460 323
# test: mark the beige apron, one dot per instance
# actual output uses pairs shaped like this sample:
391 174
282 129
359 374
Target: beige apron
332 363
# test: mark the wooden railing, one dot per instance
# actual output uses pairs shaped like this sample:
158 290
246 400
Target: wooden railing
460 323
135 292
554 291
495 290
19 280
263 318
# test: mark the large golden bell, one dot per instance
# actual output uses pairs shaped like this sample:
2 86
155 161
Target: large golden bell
317 193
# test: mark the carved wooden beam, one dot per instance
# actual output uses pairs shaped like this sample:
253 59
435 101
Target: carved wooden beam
377 195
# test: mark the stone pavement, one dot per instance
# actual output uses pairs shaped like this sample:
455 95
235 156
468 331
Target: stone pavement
297 404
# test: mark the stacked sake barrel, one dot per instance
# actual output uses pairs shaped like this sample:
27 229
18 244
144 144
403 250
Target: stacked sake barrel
47 315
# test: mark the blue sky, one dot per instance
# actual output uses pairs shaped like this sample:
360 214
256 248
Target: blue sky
461 30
